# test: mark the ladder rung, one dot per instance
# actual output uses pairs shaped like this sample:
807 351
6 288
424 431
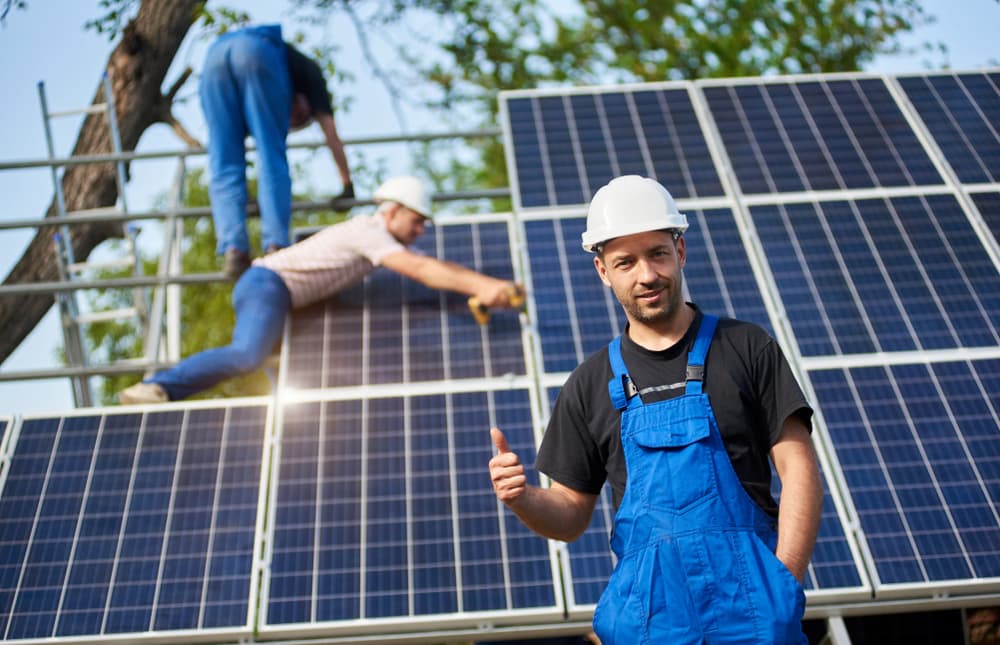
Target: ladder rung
96 108
102 210
79 267
111 314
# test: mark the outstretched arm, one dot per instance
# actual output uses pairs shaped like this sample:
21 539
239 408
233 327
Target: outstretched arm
801 496
442 274
558 512
336 146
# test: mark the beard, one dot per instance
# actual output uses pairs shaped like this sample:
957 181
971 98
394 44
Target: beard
670 304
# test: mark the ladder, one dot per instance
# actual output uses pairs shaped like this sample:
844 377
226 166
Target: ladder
72 319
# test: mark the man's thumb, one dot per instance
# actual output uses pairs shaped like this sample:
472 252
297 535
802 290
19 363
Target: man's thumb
499 440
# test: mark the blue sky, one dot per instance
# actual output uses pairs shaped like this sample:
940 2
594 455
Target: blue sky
43 44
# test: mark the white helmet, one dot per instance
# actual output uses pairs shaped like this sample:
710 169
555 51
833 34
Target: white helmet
627 205
406 190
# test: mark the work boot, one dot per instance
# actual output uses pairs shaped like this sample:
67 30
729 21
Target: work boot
234 263
143 393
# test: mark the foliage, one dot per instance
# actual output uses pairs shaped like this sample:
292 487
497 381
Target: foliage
497 45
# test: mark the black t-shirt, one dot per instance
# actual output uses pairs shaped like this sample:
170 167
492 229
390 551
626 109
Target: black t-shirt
307 78
750 386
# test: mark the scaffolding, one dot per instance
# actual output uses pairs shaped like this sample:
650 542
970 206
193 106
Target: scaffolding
156 298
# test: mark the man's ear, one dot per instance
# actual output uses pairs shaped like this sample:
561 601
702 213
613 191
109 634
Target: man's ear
681 251
602 271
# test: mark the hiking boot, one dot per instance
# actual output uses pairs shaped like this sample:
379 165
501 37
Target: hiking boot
143 393
234 263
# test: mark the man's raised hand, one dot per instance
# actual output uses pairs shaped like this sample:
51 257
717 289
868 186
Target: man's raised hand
506 470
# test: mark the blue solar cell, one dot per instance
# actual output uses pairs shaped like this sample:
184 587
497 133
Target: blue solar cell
591 127
121 525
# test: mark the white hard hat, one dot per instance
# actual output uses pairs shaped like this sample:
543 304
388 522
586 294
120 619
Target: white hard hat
627 205
406 190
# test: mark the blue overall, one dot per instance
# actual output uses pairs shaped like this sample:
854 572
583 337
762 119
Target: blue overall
246 89
696 559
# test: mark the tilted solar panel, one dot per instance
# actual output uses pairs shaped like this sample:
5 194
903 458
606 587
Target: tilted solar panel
865 276
962 112
389 329
384 518
817 135
917 444
122 522
567 146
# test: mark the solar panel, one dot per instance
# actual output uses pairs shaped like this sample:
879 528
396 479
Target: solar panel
383 517
564 147
879 275
125 522
388 329
817 135
962 113
917 444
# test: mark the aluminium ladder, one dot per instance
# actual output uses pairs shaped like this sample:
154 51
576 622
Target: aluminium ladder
71 317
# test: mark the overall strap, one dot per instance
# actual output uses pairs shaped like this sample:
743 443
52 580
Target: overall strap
620 387
696 357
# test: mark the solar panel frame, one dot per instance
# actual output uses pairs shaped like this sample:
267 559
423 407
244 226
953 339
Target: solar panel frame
149 456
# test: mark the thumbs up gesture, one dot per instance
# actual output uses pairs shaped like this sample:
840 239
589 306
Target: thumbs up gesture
506 470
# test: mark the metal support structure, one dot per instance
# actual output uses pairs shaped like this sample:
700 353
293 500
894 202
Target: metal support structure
160 311
71 318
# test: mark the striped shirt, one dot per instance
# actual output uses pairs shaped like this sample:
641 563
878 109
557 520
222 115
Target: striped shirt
332 259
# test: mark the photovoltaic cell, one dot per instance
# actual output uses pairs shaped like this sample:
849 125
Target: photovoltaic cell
383 511
962 113
127 522
918 447
389 329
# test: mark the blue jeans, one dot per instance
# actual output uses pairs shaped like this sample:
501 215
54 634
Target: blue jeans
246 89
261 302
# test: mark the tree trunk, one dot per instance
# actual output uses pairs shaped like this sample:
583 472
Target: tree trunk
136 68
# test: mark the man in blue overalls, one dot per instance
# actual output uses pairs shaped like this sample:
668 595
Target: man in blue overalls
690 406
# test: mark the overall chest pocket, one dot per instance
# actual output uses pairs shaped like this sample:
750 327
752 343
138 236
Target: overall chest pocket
670 463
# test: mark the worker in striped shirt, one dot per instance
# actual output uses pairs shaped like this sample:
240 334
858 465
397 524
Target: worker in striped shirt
315 269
